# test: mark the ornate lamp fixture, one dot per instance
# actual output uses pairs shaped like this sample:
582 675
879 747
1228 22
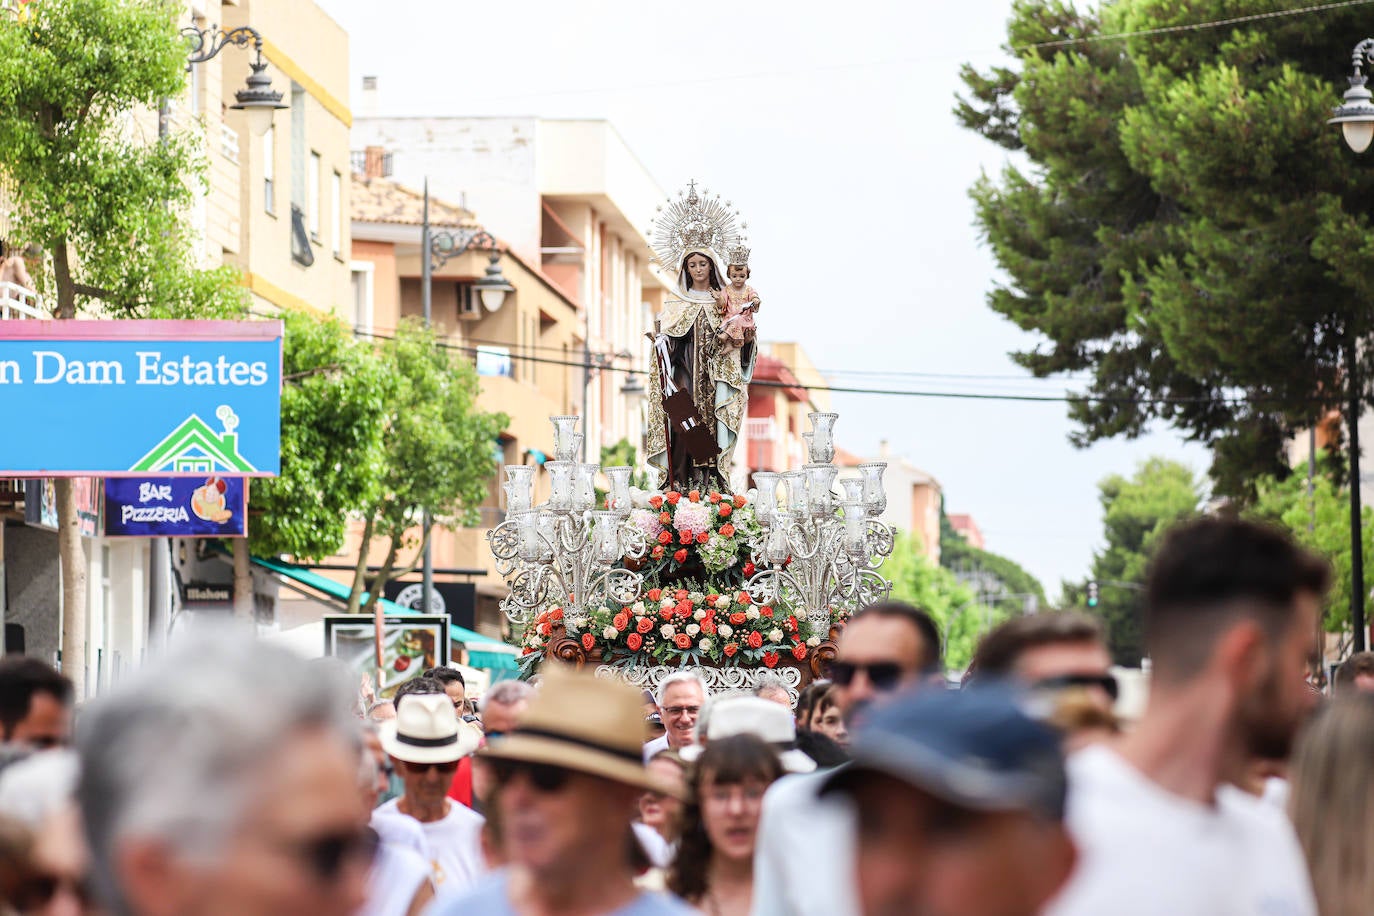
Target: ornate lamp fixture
565 550
821 553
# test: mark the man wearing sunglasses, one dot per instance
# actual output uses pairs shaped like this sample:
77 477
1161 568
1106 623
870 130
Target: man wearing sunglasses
884 648
569 778
1051 651
425 742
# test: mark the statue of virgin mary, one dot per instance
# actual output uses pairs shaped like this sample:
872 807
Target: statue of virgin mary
692 238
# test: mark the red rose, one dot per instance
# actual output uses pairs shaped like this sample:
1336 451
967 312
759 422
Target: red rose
665 537
738 618
766 611
655 594
682 641
588 640
727 530
702 537
666 613
657 553
621 621
739 502
694 496
527 650
684 609
685 537
681 595
796 637
544 629
634 641
725 510
644 624
799 652
750 569
708 626
770 659
714 497
755 640
656 502
730 649
743 598
665 518
680 556
791 622
672 497
556 614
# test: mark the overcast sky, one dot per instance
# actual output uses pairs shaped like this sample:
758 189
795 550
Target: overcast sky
832 133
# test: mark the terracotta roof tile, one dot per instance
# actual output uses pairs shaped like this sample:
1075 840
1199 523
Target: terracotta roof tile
379 200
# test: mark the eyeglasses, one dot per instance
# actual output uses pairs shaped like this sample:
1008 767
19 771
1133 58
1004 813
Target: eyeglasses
325 855
447 766
679 710
543 776
1106 682
883 675
38 890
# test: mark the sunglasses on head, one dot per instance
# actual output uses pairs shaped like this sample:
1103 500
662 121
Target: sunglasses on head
883 675
325 855
543 776
1106 682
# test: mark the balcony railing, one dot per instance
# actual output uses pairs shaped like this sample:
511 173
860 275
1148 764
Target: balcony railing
761 429
18 302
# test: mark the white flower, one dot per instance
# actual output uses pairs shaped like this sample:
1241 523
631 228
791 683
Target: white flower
775 635
722 601
667 630
814 641
610 633
726 630
638 608
579 622
692 629
666 603
696 597
752 613
699 615
705 645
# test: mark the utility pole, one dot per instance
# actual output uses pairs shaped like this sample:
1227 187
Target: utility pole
426 277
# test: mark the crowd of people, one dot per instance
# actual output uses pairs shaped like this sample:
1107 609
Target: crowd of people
230 777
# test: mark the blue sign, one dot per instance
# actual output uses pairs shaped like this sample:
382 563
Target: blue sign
185 507
140 398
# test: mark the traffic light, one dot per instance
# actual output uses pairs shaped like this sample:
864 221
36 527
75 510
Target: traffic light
1092 593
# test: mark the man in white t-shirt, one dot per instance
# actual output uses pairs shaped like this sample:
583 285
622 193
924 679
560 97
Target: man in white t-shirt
426 741
1230 608
680 698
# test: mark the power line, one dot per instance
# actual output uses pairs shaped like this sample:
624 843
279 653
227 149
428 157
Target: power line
897 392
1193 27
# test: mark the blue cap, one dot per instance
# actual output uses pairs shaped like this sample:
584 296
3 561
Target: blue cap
977 748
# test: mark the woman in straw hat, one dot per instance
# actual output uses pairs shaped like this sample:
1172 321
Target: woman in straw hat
569 777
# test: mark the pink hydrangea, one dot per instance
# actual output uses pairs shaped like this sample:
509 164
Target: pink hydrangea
646 521
693 518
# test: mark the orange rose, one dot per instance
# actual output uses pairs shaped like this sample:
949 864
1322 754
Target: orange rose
730 649
714 497
727 530
665 537
702 537
644 624
656 502
682 641
588 641
680 556
770 659
621 621
655 594
743 598
694 496
556 614
755 640
634 641
739 502
708 626
657 553
673 497
738 618
725 510
685 537
681 595
665 518
545 629
765 611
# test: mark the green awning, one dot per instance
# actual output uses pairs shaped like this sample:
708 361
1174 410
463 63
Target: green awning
483 651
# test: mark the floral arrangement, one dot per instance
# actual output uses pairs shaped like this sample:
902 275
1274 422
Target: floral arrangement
696 534
681 627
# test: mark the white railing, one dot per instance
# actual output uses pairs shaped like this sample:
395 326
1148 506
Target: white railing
18 302
761 429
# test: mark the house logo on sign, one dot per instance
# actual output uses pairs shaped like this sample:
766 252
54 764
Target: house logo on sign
194 448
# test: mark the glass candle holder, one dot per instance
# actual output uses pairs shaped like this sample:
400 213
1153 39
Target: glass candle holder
794 482
855 528
619 479
584 486
564 428
819 479
521 479
775 549
853 488
526 522
810 440
823 432
766 503
561 477
516 501
875 497
606 536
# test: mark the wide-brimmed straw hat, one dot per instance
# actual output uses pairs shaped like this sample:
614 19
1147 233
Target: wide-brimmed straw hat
426 730
749 715
586 724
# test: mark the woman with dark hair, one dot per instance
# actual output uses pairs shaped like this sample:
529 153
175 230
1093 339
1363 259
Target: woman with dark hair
714 868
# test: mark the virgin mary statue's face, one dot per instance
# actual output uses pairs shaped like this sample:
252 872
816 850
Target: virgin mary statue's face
698 269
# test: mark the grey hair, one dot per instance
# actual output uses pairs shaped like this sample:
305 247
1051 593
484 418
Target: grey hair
506 693
175 752
681 677
38 786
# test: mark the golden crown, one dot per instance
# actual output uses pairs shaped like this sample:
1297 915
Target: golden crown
694 221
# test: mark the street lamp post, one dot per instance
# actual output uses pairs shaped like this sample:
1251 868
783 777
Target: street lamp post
436 250
258 98
1355 115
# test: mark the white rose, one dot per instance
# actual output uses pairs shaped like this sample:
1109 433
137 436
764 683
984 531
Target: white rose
667 630
752 613
666 603
705 645
726 630
579 622
775 635
610 633
696 597
692 629
639 608
722 601
699 615
814 641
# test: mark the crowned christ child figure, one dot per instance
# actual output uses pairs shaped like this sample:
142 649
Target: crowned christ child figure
740 301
